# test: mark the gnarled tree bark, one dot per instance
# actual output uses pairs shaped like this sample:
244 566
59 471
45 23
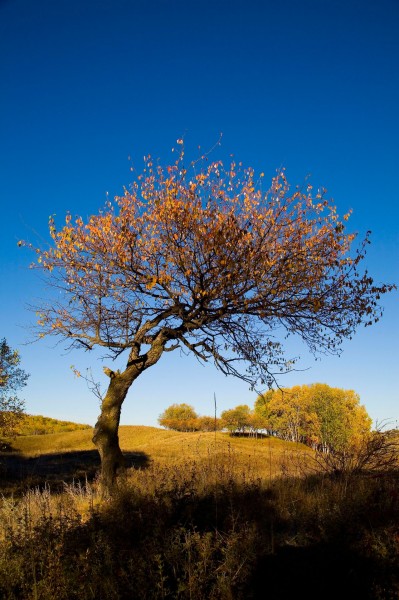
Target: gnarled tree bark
106 437
106 430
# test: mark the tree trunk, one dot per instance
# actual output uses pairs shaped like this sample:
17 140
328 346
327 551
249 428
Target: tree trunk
106 431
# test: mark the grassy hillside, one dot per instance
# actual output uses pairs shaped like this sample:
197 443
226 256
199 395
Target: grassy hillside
57 459
265 456
39 425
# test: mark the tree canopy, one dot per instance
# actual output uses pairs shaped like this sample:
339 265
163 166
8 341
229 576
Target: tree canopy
206 261
203 258
237 419
181 417
324 417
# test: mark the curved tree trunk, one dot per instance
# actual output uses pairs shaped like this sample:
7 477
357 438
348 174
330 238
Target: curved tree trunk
106 431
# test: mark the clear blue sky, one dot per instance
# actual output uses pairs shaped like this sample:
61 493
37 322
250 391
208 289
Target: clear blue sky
310 85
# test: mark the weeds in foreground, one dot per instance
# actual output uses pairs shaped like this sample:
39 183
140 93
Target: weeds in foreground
377 453
209 528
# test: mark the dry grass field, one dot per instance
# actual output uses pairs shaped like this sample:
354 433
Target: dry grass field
160 443
196 516
61 458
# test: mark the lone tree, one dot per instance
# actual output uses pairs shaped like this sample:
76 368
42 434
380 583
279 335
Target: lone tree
201 258
12 379
180 417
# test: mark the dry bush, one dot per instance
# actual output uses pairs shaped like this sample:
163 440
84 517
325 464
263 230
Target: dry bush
376 453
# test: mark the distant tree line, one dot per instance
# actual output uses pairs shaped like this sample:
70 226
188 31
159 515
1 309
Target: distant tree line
318 415
182 417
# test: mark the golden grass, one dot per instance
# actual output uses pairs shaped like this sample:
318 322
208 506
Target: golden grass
204 516
170 458
267 457
53 443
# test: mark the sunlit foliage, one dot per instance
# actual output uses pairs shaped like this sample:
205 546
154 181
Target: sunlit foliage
238 419
39 425
180 417
195 255
324 417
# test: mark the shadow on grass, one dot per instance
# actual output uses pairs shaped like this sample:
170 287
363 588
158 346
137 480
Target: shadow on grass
175 536
323 570
55 469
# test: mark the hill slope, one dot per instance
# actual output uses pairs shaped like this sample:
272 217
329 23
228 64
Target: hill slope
266 457
39 425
